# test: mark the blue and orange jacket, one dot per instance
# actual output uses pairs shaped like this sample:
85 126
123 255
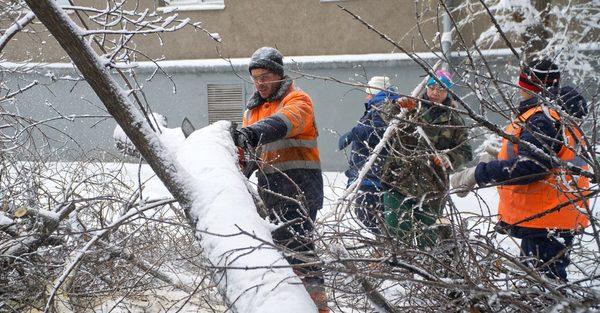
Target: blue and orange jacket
528 188
286 130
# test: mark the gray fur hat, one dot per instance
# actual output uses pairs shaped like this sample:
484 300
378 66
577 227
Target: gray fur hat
267 58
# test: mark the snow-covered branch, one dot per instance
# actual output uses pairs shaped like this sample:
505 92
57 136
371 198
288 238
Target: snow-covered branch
15 28
199 190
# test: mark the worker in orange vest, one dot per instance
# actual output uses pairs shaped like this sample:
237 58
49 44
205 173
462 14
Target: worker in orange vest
279 124
542 201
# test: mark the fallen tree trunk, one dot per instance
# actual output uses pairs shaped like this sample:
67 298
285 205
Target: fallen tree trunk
213 196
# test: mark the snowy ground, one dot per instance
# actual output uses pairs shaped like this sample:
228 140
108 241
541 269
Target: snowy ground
471 208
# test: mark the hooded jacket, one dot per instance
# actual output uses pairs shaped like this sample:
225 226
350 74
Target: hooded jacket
364 137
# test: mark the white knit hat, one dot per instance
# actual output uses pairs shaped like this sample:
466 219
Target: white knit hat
382 82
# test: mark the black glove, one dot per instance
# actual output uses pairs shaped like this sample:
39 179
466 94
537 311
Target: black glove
243 138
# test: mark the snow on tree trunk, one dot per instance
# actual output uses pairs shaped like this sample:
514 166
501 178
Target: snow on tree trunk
249 264
252 275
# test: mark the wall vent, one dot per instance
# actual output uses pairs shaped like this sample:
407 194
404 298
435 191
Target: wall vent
225 102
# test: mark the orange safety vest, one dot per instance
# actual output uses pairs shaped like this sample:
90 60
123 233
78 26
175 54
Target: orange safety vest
519 202
298 150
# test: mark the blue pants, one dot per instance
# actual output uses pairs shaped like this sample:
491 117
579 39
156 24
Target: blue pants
547 253
550 255
306 187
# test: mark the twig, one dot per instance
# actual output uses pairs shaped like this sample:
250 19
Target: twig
71 266
17 26
500 31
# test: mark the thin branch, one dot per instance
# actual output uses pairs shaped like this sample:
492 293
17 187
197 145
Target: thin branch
15 28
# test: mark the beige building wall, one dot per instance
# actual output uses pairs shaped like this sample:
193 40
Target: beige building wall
296 27
299 27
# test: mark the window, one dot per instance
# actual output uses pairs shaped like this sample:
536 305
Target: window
225 102
188 5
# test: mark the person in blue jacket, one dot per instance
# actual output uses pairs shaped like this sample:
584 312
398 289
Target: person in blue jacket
363 138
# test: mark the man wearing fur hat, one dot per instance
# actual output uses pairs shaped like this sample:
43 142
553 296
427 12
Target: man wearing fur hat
540 200
279 123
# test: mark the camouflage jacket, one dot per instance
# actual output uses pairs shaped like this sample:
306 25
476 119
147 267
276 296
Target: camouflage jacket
409 168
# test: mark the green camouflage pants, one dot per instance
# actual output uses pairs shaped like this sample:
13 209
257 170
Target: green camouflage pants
411 222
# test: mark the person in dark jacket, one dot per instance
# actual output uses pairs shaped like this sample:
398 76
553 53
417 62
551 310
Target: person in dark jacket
279 123
532 185
419 162
363 138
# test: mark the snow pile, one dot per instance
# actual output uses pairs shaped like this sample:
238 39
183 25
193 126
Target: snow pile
171 138
253 274
5 220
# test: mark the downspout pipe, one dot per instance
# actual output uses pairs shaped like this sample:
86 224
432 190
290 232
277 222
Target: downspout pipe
447 34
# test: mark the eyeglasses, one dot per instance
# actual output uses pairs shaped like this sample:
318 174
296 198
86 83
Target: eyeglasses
437 87
263 78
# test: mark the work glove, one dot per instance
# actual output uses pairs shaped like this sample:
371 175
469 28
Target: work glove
406 103
442 161
243 138
463 181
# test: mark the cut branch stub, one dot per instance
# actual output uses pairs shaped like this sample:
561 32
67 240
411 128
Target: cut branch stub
21 212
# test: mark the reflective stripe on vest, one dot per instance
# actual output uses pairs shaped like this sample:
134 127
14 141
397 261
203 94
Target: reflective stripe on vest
520 202
288 143
247 115
293 157
297 152
290 165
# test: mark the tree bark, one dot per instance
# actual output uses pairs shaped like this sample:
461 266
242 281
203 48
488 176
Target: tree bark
116 102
